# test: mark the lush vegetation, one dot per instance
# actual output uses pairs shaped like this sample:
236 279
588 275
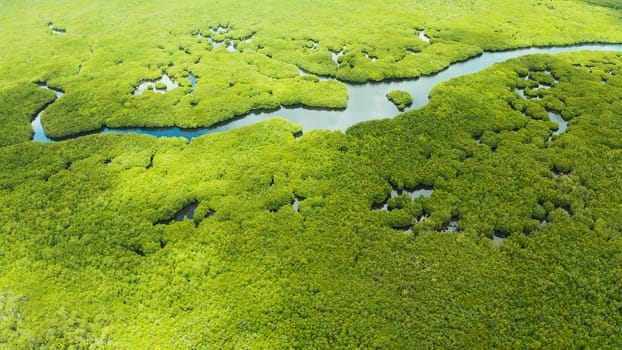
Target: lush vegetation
88 259
401 99
107 49
93 257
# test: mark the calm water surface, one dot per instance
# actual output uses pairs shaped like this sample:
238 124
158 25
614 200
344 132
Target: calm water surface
366 101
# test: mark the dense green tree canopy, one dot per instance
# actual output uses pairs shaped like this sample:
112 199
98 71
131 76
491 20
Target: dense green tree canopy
401 99
289 243
108 49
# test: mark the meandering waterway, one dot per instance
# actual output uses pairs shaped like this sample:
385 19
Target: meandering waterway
37 127
366 101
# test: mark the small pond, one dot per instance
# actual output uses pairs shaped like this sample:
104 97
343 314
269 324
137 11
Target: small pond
167 83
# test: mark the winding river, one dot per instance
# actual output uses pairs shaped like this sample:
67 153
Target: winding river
37 127
366 101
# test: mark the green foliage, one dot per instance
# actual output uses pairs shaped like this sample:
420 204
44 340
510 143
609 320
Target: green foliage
20 104
99 68
401 99
90 258
88 261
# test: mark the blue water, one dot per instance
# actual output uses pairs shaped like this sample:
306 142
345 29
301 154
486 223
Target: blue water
193 82
366 101
37 127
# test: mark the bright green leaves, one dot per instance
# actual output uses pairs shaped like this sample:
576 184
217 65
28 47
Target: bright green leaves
20 105
401 99
87 260
243 59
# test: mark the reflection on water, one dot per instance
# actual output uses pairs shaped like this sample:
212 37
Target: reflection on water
496 239
193 82
423 36
37 127
56 30
151 85
296 203
419 191
562 124
368 101
336 55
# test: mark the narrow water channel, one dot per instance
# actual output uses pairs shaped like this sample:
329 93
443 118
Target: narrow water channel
37 127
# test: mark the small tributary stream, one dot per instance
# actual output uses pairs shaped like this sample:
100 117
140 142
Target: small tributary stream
37 127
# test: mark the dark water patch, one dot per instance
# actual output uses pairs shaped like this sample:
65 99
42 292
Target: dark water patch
137 250
566 207
180 215
186 212
193 82
555 172
451 226
220 29
150 165
380 206
55 30
406 229
371 58
500 234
